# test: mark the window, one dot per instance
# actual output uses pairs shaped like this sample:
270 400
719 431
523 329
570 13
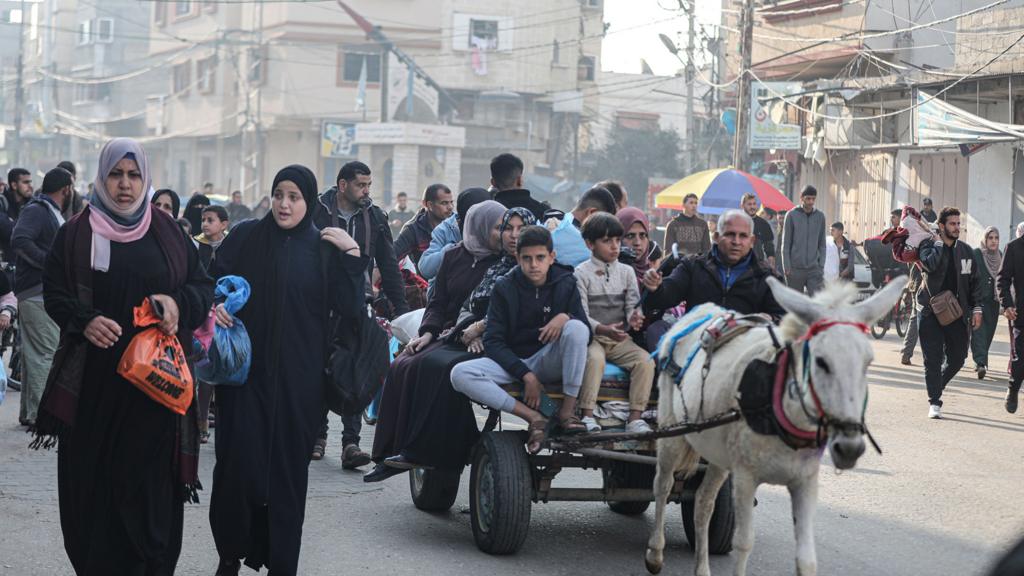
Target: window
206 77
183 8
586 69
352 66
591 3
483 34
159 13
182 78
84 32
257 65
105 30
556 53
210 7
85 93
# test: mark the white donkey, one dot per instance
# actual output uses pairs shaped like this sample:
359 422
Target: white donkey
823 403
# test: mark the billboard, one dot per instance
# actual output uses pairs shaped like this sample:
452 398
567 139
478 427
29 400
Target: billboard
337 139
765 134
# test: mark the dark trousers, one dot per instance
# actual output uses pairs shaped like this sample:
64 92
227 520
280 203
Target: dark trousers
351 427
944 349
981 339
1017 357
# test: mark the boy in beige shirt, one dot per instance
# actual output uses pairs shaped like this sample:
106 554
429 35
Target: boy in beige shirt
611 299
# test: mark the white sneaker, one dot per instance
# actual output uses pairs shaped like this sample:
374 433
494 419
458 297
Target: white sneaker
935 412
591 424
638 427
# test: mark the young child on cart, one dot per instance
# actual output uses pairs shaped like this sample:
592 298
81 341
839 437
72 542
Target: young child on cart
611 299
536 333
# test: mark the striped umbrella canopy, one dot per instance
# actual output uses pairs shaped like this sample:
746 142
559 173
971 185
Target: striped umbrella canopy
721 189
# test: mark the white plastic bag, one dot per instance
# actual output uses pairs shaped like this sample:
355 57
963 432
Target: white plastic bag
407 326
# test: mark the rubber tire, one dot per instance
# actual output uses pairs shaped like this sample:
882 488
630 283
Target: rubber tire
501 516
629 475
904 310
723 520
879 331
434 490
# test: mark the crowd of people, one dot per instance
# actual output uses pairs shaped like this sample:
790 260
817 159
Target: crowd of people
514 300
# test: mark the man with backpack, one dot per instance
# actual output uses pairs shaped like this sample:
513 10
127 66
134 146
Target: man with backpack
349 202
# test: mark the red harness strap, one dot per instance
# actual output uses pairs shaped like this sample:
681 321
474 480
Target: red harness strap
819 326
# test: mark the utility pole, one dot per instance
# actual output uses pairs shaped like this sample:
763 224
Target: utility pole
691 140
19 90
741 146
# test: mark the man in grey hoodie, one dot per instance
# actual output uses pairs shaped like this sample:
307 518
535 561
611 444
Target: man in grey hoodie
803 244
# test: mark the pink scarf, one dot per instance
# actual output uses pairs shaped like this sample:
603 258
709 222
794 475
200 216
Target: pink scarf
105 231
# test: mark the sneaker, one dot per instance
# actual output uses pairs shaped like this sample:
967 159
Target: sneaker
906 361
352 457
638 427
591 424
1011 398
981 370
935 412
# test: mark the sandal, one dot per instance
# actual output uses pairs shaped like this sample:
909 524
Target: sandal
535 435
572 425
319 447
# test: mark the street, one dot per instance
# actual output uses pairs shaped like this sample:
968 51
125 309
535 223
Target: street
943 500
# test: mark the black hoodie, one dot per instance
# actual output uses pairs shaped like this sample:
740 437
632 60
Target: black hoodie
519 310
521 198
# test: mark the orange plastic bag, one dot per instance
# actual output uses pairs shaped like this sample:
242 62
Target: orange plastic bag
155 363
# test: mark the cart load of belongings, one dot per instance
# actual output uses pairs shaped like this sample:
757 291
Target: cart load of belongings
154 362
230 353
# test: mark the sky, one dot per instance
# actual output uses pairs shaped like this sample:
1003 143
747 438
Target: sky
633 34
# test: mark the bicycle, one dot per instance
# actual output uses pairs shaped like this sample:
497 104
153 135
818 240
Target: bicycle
11 340
902 313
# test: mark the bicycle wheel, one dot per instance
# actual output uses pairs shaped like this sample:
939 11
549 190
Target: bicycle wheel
878 329
904 312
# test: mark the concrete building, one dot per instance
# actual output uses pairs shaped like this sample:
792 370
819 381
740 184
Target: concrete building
862 104
272 84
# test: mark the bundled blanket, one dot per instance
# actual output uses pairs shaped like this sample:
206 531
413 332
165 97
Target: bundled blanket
907 238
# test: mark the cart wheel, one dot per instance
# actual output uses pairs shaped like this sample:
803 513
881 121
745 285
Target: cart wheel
629 475
723 520
434 490
500 490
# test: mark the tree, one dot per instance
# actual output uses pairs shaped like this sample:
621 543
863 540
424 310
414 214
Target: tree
633 155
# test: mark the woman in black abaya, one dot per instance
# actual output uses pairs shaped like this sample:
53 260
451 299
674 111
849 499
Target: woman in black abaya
299 277
460 274
126 464
194 212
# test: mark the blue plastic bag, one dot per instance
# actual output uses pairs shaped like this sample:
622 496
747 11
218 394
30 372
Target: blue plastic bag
230 353
570 249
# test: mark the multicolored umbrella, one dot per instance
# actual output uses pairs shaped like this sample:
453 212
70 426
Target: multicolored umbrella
719 190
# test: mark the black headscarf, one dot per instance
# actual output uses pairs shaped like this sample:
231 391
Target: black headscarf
252 252
175 201
466 200
193 212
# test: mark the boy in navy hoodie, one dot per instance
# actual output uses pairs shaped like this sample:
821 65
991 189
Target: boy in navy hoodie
537 332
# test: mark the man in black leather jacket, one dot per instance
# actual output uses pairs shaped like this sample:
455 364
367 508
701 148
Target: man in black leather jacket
948 264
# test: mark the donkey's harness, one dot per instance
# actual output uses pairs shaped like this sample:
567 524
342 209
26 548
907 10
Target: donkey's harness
764 383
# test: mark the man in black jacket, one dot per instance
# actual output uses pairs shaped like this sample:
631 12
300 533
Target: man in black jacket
31 239
947 265
1010 282
507 179
17 194
414 239
537 331
764 245
350 200
730 275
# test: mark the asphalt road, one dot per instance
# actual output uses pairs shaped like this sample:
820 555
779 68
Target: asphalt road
944 499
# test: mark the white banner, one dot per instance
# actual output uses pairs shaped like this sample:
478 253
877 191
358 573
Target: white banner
765 134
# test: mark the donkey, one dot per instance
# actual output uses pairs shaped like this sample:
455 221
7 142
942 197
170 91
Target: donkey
823 404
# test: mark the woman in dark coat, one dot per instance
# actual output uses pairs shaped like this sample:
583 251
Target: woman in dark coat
299 277
440 426
462 270
126 464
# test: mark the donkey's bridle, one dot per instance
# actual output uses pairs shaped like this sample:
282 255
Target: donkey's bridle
824 421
